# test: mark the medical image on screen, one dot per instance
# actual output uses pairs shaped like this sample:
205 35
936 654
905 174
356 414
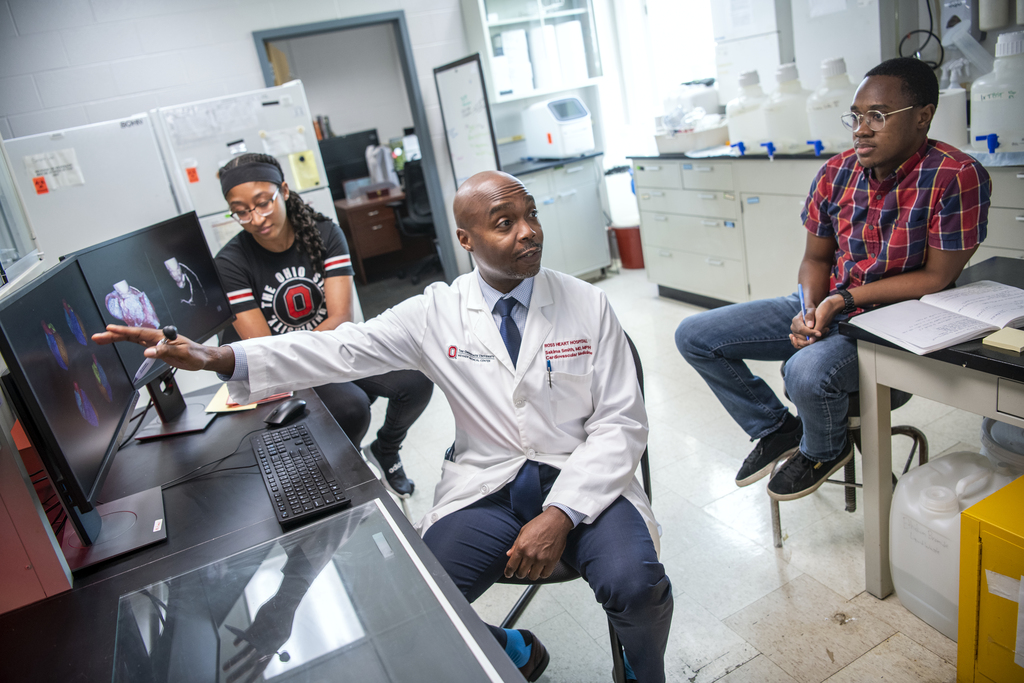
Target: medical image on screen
131 306
82 389
184 277
161 275
75 323
56 344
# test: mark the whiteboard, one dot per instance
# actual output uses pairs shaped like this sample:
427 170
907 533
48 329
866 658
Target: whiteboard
466 117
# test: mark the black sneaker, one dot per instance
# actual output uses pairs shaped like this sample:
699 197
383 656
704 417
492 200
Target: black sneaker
391 467
538 660
783 442
801 475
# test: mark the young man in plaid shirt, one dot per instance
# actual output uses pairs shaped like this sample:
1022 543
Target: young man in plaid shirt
894 218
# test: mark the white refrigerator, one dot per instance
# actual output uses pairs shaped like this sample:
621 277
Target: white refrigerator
88 184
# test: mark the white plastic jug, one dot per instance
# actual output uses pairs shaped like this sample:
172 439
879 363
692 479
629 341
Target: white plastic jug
924 532
997 106
950 122
785 113
827 105
744 116
1003 444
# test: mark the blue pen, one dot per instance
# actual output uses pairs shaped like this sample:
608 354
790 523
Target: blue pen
803 309
549 373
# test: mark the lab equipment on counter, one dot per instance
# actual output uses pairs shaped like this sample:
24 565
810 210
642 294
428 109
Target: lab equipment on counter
744 116
996 105
785 113
556 129
827 104
950 121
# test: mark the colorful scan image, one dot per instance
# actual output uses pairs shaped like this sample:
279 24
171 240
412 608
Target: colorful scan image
132 306
56 344
183 277
101 380
75 323
85 407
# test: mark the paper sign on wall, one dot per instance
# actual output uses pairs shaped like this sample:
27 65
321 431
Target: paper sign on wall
304 169
54 170
283 141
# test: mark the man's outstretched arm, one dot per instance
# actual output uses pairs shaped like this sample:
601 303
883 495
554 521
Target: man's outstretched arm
181 353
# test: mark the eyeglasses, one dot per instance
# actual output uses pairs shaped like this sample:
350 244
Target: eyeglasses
264 209
875 119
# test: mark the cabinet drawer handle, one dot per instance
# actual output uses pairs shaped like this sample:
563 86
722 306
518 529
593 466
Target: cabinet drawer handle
374 212
377 227
666 254
547 201
651 168
574 169
568 193
1019 219
1020 176
661 218
703 169
710 224
714 262
657 194
706 196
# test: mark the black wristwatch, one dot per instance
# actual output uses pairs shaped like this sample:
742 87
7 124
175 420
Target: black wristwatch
848 304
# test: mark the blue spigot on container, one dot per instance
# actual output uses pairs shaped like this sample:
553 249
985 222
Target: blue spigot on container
741 147
992 139
818 146
770 146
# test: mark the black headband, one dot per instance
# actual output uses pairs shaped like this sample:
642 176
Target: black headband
248 173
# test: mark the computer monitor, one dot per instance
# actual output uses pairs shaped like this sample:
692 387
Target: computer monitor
74 399
158 276
345 158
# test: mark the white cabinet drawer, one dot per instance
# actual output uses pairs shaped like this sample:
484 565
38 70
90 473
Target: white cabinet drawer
1010 397
657 174
711 276
537 183
782 176
574 175
691 233
690 202
1005 229
1007 187
705 175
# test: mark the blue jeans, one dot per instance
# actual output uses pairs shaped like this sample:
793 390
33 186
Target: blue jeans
614 554
819 378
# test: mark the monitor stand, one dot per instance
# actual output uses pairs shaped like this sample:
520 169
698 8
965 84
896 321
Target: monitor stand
175 416
125 525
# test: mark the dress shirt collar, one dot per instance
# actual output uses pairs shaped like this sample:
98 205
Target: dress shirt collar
522 293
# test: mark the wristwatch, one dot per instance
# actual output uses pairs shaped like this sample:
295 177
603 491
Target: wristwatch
848 304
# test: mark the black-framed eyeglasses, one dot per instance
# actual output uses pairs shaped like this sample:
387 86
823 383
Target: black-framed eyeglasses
264 209
875 119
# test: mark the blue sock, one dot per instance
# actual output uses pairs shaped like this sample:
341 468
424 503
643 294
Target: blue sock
630 676
516 648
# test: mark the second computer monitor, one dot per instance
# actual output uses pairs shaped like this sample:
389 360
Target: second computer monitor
345 158
157 276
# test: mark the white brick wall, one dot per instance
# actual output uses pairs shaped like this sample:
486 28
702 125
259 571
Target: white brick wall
67 63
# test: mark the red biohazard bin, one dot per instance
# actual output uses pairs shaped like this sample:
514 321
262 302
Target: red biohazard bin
630 251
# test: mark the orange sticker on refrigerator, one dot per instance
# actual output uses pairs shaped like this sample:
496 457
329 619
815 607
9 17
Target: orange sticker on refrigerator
193 174
40 184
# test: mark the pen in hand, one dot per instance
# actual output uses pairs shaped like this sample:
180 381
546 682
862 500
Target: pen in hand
170 334
803 308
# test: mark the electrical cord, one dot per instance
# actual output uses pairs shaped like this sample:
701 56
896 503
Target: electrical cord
186 477
930 33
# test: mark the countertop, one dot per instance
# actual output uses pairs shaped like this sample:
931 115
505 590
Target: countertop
521 168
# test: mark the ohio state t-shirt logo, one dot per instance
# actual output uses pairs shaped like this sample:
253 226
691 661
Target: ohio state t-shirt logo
296 303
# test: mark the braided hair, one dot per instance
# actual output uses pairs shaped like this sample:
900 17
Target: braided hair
301 215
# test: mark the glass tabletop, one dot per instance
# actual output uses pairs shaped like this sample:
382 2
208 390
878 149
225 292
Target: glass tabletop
340 599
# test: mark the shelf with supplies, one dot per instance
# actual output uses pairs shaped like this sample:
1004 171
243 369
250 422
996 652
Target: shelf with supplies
527 50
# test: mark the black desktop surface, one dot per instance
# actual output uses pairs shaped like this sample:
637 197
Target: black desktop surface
973 354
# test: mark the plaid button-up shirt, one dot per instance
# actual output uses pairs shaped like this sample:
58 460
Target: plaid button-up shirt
936 199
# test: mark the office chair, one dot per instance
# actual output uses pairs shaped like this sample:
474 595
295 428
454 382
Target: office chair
563 572
417 221
849 480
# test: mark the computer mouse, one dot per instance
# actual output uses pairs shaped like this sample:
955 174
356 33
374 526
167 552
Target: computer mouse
286 412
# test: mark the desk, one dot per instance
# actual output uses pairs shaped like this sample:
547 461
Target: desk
71 636
370 229
968 376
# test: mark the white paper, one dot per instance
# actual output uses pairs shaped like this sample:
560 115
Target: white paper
572 53
198 122
544 54
283 141
59 167
992 302
820 8
920 328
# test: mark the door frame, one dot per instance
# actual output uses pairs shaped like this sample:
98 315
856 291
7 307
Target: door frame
398 24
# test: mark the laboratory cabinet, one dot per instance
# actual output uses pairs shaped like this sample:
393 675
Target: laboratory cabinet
1005 215
568 200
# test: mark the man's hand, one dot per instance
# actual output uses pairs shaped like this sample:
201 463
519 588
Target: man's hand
816 322
181 353
539 546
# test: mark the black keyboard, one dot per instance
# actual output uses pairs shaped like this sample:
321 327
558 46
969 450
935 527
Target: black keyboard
300 482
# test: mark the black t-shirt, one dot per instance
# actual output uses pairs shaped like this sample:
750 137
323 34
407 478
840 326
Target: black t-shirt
284 285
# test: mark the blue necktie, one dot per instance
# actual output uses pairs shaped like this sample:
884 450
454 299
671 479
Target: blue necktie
509 330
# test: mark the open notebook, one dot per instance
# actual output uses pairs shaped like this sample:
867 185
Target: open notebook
946 318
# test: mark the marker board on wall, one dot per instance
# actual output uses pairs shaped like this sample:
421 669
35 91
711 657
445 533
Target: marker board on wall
468 129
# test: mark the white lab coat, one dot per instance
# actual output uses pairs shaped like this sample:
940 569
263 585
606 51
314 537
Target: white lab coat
586 418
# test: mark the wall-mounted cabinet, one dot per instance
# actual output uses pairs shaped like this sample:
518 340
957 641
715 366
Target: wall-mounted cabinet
531 48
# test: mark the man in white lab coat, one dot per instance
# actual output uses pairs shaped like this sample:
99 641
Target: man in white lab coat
550 422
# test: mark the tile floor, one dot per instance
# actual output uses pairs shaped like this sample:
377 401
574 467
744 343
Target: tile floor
744 610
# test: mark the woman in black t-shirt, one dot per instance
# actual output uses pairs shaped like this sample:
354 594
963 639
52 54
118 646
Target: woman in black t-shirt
289 269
